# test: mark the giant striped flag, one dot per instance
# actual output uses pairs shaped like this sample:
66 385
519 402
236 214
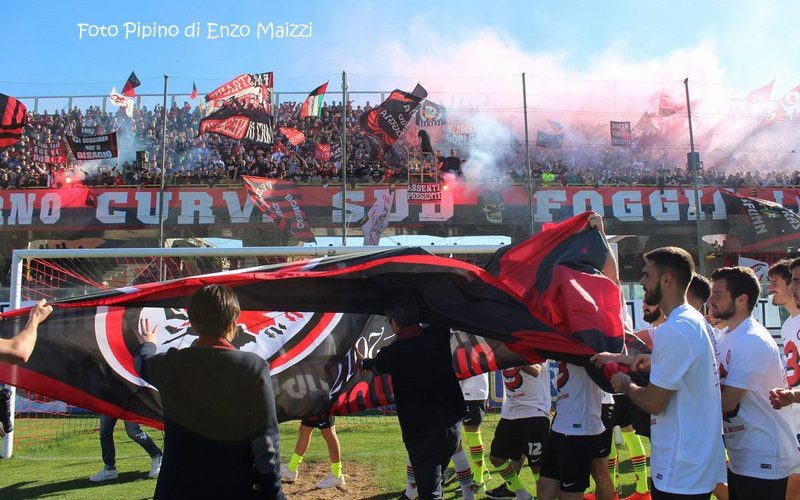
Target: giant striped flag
312 106
13 118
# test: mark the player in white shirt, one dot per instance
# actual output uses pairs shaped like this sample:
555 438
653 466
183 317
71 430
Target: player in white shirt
523 428
761 442
780 280
683 397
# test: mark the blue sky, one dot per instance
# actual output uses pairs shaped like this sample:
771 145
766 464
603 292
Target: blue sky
735 45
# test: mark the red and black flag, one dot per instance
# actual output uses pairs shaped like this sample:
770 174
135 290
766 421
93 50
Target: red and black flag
281 201
13 118
84 353
130 85
312 106
758 225
194 91
389 119
240 121
292 135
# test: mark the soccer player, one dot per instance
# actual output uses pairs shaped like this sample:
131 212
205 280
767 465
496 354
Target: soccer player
687 454
780 280
523 428
476 393
327 426
761 442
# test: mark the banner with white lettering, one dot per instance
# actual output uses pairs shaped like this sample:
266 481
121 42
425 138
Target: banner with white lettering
49 152
389 119
93 147
424 192
280 200
621 134
757 224
431 114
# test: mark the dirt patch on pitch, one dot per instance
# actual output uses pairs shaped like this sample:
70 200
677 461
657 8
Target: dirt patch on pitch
359 482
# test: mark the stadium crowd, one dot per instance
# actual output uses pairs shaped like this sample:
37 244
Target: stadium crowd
212 159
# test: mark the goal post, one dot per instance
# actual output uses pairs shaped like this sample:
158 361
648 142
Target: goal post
55 274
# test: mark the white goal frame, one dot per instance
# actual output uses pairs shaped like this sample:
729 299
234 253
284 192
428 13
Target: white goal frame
19 256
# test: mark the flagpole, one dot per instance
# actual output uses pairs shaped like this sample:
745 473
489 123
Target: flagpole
527 154
163 178
343 160
694 165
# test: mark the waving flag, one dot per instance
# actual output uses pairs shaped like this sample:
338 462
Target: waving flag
194 91
130 85
122 101
312 106
387 121
13 118
549 141
668 107
756 224
761 95
322 152
555 126
292 135
281 201
792 98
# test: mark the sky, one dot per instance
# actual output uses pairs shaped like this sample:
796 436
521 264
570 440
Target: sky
735 45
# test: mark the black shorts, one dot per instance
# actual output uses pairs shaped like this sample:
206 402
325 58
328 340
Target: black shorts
753 487
475 411
521 436
622 414
568 459
319 422
603 441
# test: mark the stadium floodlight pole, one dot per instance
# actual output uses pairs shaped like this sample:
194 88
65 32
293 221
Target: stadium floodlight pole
695 166
527 153
343 160
163 178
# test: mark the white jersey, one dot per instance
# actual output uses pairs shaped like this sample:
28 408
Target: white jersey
578 404
687 453
790 336
760 439
524 395
476 388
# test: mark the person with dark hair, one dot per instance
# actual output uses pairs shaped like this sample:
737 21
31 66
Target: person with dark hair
687 454
761 443
780 280
699 292
429 401
220 422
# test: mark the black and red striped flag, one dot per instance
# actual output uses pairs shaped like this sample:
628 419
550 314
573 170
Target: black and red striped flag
130 85
84 352
13 118
389 119
194 91
282 202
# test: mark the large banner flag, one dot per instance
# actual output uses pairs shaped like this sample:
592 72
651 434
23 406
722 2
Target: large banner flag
621 134
549 141
93 147
292 135
791 98
84 352
389 119
668 106
431 114
248 89
251 122
322 152
378 218
759 267
49 152
312 106
281 201
13 118
756 224
122 101
130 85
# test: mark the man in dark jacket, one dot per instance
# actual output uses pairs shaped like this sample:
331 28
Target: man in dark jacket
429 401
220 425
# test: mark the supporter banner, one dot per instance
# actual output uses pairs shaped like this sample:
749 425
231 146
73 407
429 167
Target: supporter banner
248 89
93 147
549 141
127 103
389 119
237 121
84 353
292 135
431 115
621 134
759 267
13 118
49 152
459 134
280 200
86 130
322 152
759 224
500 209
424 192
378 218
